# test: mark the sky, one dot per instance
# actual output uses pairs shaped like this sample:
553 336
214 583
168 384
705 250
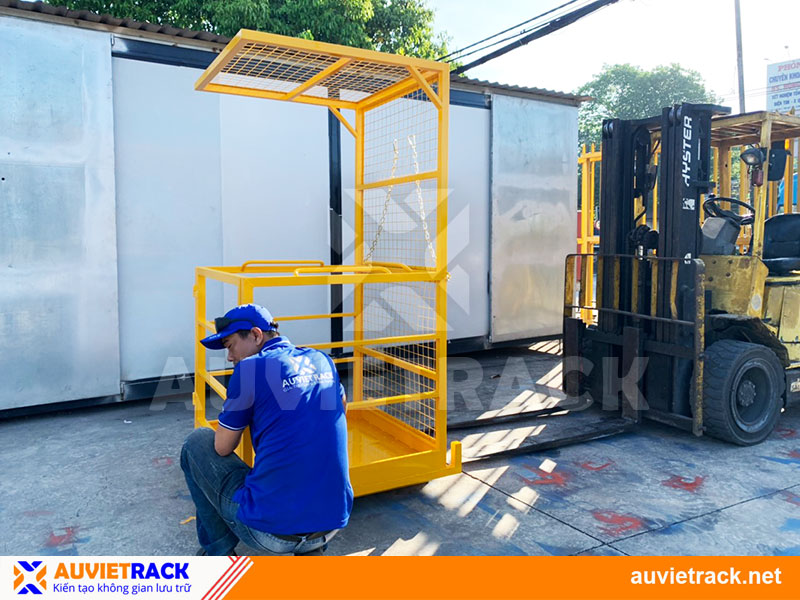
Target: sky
697 34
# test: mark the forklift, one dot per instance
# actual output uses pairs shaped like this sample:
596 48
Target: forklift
689 327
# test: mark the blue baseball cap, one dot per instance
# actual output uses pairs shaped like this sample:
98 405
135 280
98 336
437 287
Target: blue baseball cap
243 317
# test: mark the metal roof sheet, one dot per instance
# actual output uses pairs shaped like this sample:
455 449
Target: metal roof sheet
493 85
91 17
108 22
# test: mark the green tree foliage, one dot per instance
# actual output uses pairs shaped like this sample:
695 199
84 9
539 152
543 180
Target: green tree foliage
628 92
405 27
399 26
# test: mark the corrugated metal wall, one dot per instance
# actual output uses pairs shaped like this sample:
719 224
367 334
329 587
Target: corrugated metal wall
59 333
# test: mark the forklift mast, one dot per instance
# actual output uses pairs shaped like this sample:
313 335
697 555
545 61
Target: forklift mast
652 322
684 132
686 172
626 152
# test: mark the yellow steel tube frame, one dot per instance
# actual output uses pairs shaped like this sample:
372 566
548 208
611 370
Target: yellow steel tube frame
586 236
415 456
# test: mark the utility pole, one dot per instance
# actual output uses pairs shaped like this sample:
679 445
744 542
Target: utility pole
740 69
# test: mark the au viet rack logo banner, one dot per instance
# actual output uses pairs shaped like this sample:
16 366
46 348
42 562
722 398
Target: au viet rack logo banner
365 578
29 577
205 578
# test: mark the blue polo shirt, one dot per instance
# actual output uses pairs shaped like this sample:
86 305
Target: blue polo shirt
292 400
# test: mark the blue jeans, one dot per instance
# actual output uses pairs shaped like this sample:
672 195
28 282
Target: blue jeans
212 480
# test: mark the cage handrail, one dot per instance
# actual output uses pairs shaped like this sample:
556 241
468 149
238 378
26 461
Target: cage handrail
340 315
384 341
381 341
341 269
250 263
397 265
389 400
211 327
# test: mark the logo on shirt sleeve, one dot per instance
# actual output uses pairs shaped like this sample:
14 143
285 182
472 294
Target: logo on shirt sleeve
301 372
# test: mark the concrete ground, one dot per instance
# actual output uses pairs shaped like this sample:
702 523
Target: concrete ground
106 481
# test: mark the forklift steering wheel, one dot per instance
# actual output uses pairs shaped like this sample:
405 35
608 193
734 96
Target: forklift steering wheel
712 209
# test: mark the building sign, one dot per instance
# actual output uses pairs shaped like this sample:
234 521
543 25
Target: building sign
783 86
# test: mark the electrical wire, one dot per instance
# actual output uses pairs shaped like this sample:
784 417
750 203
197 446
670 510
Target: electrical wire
486 39
511 37
751 93
446 56
554 24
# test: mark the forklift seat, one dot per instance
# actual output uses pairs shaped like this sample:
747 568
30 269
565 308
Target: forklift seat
782 243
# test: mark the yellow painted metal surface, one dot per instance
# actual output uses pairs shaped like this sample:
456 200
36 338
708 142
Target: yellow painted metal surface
282 68
736 284
790 322
397 413
794 354
773 306
790 316
760 195
589 168
699 353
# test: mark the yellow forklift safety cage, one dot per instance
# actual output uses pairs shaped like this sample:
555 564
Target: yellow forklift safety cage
397 411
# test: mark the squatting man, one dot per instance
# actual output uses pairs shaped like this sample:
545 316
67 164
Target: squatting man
298 493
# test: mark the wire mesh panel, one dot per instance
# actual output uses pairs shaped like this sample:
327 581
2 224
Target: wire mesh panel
272 68
400 224
359 79
402 369
401 138
277 67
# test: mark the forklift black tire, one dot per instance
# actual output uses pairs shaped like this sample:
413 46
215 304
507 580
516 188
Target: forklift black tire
743 387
